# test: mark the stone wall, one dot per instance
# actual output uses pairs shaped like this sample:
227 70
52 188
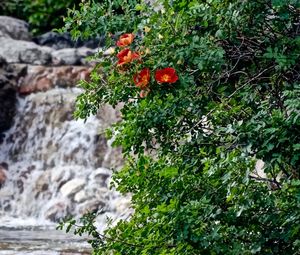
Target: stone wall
29 65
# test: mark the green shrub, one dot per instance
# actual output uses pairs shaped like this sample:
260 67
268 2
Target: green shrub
191 145
42 15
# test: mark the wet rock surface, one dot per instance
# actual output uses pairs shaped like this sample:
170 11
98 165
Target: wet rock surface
71 187
2 176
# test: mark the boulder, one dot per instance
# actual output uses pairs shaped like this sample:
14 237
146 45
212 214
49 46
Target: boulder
72 187
100 176
14 28
3 176
100 192
54 40
65 57
42 78
15 51
80 197
61 41
71 56
10 74
122 205
92 206
57 211
42 182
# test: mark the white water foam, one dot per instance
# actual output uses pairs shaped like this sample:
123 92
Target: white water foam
58 166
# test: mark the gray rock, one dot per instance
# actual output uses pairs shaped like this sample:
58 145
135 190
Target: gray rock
14 28
57 211
42 182
72 187
80 197
65 57
84 52
15 51
61 41
92 206
55 40
101 176
71 56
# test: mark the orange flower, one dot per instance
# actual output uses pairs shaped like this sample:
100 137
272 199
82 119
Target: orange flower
166 75
125 40
125 56
142 79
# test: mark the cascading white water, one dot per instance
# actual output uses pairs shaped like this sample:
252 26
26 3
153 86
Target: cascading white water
58 166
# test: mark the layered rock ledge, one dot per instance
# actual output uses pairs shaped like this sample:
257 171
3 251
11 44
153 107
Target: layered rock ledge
29 65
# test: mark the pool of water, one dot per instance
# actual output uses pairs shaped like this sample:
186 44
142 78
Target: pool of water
40 240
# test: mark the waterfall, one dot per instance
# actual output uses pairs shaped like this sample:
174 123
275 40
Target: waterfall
56 165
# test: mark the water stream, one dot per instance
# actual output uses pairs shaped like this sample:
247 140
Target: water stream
55 166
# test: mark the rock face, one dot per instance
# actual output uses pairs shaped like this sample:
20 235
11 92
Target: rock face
42 78
71 187
57 211
14 28
62 41
54 40
17 51
71 56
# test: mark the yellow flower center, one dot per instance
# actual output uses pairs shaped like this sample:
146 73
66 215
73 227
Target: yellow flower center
166 77
125 41
127 58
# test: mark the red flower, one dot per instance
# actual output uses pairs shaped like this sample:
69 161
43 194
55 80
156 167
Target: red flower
125 40
166 75
125 56
142 79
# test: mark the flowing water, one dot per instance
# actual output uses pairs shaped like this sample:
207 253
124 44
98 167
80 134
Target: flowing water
55 166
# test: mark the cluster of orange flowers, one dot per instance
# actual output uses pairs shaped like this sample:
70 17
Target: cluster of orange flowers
142 78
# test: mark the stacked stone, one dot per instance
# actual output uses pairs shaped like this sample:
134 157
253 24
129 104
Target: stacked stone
30 65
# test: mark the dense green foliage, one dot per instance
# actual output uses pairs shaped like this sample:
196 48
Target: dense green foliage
103 17
191 146
42 15
88 20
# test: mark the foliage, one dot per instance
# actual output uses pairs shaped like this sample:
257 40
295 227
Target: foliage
192 144
42 15
105 17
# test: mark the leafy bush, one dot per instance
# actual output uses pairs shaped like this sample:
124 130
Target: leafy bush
191 144
106 17
42 15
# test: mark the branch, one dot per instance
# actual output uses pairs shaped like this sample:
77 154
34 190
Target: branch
271 181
